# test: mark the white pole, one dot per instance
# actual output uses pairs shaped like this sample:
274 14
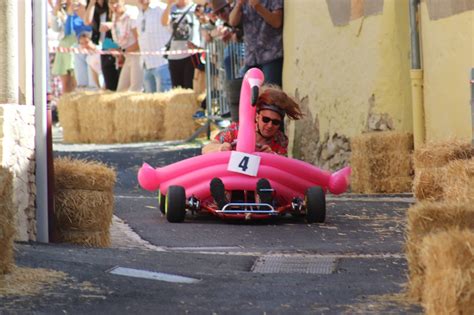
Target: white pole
40 51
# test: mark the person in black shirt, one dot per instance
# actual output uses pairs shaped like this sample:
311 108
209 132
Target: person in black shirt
98 12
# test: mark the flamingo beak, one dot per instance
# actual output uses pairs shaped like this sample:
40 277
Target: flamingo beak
255 92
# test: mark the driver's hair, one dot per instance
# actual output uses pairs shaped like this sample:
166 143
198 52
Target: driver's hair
274 95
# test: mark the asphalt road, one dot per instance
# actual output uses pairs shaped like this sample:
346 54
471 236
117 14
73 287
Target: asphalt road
353 263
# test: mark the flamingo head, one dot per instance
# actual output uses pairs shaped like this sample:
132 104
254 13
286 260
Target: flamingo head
254 77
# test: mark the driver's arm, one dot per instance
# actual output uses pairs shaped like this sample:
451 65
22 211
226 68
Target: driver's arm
216 146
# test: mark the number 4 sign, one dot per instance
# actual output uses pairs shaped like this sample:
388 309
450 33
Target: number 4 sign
243 163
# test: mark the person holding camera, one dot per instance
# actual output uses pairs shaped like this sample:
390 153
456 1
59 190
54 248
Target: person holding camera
262 22
185 26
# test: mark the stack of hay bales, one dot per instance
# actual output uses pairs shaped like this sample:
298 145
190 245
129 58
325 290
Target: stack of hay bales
449 278
381 162
7 224
84 201
430 161
426 218
112 117
443 215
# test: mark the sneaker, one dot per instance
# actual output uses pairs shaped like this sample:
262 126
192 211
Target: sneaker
265 191
218 192
199 114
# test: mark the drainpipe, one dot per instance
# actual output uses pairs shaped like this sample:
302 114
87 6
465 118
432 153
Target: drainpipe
416 74
472 104
9 52
40 78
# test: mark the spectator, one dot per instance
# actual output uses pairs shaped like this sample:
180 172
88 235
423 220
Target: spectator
93 59
124 33
272 106
83 75
262 22
185 35
152 36
63 22
98 12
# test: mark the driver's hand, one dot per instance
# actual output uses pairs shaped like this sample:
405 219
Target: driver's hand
226 146
264 148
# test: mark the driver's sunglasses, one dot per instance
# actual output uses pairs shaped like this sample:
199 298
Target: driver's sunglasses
275 122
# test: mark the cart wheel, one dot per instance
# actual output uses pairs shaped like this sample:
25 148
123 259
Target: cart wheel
315 205
161 202
175 208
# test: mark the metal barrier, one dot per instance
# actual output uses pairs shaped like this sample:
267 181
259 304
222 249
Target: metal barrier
224 62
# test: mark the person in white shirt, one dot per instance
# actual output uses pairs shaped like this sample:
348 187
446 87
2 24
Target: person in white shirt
125 34
186 35
152 36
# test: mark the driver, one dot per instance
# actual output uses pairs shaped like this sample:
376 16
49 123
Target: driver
272 106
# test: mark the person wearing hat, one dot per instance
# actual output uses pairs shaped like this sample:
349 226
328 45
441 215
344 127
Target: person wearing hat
272 106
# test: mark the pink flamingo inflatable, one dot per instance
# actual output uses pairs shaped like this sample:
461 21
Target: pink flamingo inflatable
290 178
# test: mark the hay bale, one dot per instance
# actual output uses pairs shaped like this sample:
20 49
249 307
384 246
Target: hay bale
86 238
448 258
381 162
147 111
438 154
96 116
431 217
458 184
84 209
7 223
178 122
82 174
428 183
68 116
84 201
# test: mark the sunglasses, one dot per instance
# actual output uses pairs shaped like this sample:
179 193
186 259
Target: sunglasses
275 122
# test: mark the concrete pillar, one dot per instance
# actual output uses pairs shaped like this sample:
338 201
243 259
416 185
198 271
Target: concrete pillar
9 52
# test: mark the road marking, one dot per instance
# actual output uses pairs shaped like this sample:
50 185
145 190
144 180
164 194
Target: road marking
145 274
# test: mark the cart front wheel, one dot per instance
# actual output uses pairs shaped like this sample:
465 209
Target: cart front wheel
315 205
175 208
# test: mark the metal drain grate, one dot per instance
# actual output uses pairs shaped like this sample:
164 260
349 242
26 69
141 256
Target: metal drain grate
295 264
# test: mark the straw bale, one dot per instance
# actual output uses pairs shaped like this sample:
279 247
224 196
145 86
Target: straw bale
82 174
459 181
147 111
180 107
83 209
86 238
68 116
381 142
438 154
96 116
389 172
428 183
431 217
7 224
448 258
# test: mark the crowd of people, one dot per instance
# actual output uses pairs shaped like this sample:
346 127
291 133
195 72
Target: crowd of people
123 40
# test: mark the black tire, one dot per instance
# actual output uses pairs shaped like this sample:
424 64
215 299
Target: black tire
161 202
175 209
315 205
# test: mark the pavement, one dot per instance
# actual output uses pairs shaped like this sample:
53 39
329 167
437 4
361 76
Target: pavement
353 263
